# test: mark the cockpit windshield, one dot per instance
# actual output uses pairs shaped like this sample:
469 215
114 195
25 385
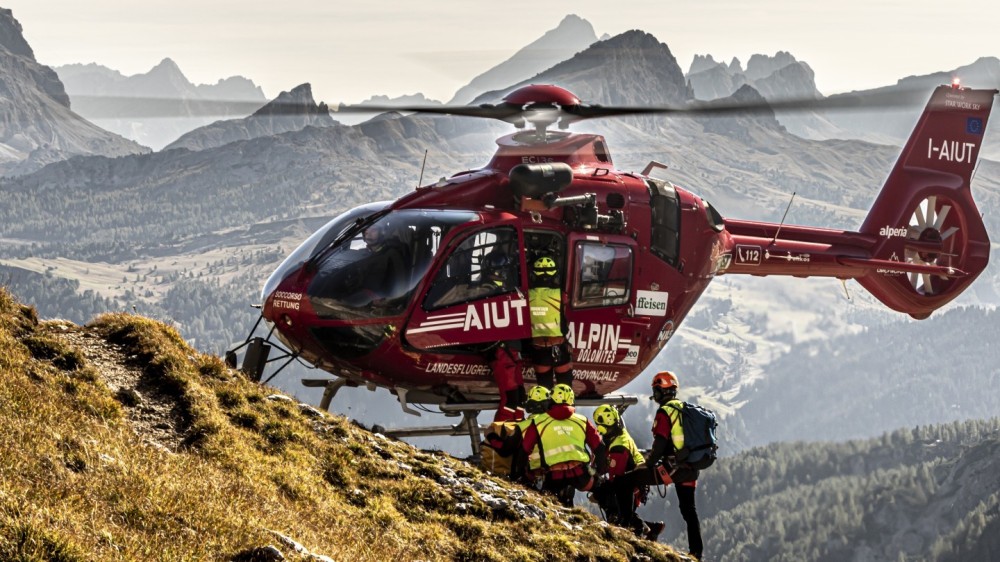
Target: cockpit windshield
373 273
318 242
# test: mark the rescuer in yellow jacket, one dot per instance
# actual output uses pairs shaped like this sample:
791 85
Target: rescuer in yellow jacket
525 467
550 353
623 456
568 444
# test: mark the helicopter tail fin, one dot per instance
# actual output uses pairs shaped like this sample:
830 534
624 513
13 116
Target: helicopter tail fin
925 216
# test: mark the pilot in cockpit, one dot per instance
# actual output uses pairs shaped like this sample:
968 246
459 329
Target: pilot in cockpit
384 268
497 274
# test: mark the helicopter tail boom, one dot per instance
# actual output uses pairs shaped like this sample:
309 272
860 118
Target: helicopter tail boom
923 241
931 242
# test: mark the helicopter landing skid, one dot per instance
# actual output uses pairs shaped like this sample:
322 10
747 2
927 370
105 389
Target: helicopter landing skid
330 389
255 360
469 425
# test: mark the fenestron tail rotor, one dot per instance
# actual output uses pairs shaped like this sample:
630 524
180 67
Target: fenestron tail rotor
930 225
925 217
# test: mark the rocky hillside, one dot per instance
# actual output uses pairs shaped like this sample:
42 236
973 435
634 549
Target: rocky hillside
773 76
118 441
37 126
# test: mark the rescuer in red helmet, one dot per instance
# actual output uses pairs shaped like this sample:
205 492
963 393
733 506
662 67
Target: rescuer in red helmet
665 463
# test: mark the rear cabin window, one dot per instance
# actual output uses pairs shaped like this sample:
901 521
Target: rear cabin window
604 272
665 221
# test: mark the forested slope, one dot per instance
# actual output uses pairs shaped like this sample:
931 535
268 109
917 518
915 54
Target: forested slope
928 493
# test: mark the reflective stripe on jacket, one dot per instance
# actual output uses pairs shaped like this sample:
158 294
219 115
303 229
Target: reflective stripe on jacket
562 440
545 304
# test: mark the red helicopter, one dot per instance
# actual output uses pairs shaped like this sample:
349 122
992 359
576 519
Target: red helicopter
634 252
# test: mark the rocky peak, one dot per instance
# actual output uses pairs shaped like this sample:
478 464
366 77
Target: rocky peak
646 70
36 124
411 99
740 126
232 88
762 66
572 35
168 70
702 63
293 110
298 101
164 79
12 36
574 24
632 68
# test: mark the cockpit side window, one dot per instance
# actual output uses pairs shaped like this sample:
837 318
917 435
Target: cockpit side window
665 221
485 264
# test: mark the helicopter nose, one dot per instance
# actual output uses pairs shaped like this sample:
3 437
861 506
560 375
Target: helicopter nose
283 306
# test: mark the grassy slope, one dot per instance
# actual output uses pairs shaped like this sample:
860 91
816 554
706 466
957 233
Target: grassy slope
77 482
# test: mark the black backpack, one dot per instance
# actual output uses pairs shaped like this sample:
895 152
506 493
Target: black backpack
699 426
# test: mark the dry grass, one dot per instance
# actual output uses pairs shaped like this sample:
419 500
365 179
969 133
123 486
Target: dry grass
77 483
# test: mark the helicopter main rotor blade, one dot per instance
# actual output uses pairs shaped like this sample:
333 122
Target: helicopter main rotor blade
123 107
858 101
503 112
867 101
126 107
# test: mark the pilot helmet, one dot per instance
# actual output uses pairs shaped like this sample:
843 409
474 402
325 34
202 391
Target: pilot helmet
497 267
373 234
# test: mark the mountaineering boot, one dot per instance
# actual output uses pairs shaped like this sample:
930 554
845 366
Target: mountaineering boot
654 530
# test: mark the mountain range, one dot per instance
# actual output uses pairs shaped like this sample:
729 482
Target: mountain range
781 77
37 125
127 104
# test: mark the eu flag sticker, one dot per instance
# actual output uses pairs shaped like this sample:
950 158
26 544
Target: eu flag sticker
974 126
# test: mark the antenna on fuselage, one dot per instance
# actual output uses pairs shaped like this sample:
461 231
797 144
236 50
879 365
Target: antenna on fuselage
421 180
777 232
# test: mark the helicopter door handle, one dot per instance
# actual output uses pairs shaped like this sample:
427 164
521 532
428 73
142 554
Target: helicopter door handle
636 322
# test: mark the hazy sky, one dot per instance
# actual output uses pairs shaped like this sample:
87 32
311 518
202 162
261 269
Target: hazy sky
352 50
